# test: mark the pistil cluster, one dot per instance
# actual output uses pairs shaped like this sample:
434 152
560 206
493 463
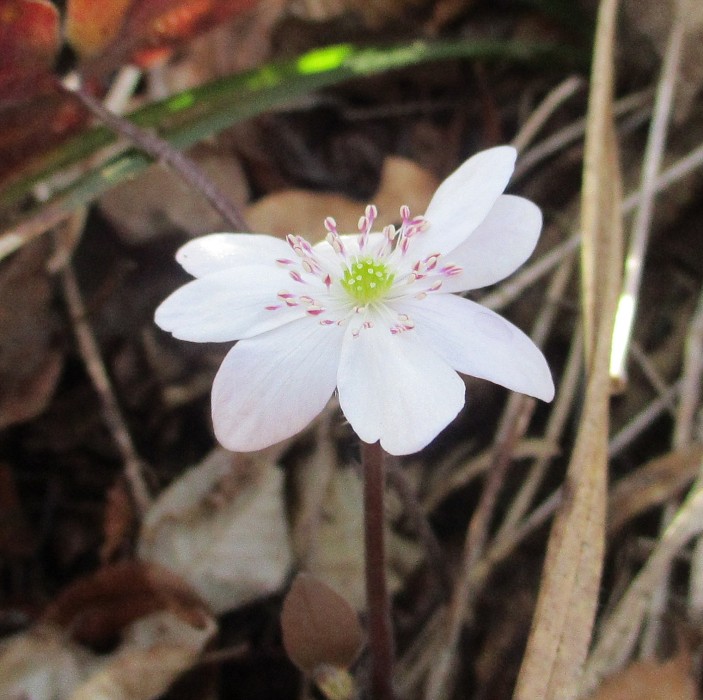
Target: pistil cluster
362 274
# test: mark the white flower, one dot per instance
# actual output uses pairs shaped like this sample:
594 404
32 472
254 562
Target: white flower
373 314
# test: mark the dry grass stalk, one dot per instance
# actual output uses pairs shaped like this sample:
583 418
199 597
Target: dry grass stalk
568 596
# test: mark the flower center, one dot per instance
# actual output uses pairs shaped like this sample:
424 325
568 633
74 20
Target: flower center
367 280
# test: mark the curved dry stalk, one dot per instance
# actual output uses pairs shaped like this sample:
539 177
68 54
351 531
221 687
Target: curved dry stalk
112 415
639 235
684 435
619 633
512 427
541 114
637 104
568 597
558 417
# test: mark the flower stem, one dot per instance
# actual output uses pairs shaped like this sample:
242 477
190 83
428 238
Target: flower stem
378 603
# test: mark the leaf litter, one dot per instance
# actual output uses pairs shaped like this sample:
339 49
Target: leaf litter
101 585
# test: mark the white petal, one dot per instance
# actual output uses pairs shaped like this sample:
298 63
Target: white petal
222 251
229 304
395 389
501 243
463 200
479 342
270 387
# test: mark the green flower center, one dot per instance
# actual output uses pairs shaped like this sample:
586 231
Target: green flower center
367 280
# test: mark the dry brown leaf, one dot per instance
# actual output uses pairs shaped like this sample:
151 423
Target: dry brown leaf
319 626
568 597
162 627
222 527
671 680
156 650
653 484
30 363
303 211
97 608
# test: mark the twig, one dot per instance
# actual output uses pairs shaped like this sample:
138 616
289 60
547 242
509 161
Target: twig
642 421
639 235
161 150
377 600
511 290
112 415
684 435
539 117
514 423
651 373
563 405
637 102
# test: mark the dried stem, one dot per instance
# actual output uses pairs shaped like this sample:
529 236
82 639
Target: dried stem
377 600
627 305
539 117
161 150
112 415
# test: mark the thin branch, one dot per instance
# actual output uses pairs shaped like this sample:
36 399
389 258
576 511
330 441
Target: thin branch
639 235
539 117
163 151
112 415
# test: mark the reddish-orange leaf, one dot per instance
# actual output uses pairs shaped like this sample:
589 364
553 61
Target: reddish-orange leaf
92 24
29 33
150 27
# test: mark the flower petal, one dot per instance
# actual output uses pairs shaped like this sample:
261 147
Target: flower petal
222 251
463 200
476 341
395 389
229 305
501 243
271 386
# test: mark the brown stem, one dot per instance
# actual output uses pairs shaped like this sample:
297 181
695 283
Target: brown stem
163 151
378 603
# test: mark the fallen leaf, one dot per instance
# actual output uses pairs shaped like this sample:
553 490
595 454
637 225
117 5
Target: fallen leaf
30 362
319 626
652 484
119 521
42 664
670 680
222 527
303 211
91 25
97 608
156 649
29 34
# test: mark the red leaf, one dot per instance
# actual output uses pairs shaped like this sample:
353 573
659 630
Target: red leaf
29 33
149 28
